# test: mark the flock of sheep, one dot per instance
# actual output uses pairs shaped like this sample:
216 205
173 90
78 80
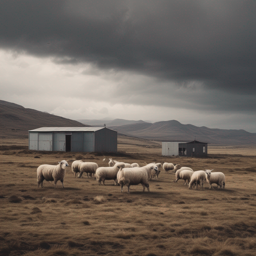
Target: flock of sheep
126 174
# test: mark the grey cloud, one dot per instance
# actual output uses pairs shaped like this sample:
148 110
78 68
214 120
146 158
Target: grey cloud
175 42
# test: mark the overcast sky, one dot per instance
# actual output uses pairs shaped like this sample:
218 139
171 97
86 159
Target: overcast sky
192 61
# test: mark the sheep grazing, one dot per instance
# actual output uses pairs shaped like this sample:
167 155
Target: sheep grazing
135 165
51 173
170 166
88 167
135 176
75 166
184 174
197 178
108 173
215 177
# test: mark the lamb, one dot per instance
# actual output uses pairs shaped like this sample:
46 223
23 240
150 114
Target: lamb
135 176
215 177
88 167
184 174
108 173
75 166
197 177
51 173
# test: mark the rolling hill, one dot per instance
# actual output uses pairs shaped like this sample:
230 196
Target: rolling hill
15 120
175 131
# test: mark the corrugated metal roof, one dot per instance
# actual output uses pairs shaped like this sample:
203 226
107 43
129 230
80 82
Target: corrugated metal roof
196 142
67 129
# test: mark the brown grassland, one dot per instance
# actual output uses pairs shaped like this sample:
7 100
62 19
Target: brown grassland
87 219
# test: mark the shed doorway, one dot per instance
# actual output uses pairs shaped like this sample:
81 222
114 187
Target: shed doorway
68 143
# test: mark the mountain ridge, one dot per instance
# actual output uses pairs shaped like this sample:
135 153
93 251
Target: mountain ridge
15 120
173 130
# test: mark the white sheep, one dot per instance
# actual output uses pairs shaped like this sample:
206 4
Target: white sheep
170 166
197 178
184 174
51 173
126 165
75 166
215 177
135 165
183 168
88 167
135 176
108 173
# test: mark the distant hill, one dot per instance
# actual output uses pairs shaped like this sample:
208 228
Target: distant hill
15 120
109 123
175 131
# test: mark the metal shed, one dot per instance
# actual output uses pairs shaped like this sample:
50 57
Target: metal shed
170 148
194 148
74 139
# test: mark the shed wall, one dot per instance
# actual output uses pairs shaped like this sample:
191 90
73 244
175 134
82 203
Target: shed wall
193 149
105 141
59 142
170 148
77 139
45 141
33 141
89 142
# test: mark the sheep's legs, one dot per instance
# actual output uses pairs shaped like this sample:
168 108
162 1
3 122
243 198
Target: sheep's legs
128 188
62 183
122 188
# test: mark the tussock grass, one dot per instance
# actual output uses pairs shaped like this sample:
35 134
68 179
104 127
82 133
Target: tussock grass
88 219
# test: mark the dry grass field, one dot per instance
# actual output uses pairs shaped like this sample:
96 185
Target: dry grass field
87 219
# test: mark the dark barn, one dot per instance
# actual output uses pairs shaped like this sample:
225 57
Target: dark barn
194 148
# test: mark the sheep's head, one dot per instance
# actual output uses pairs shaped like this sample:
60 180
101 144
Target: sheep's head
155 168
159 165
176 167
208 173
111 162
63 164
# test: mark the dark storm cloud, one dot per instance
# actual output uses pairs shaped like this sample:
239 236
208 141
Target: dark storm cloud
211 42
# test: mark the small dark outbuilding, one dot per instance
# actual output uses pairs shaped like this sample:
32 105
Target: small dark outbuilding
194 148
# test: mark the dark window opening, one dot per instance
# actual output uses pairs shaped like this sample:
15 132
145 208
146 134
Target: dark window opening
68 143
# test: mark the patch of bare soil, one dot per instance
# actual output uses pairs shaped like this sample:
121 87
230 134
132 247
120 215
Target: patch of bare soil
85 218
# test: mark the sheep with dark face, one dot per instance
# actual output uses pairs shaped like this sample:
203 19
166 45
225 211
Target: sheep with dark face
51 173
